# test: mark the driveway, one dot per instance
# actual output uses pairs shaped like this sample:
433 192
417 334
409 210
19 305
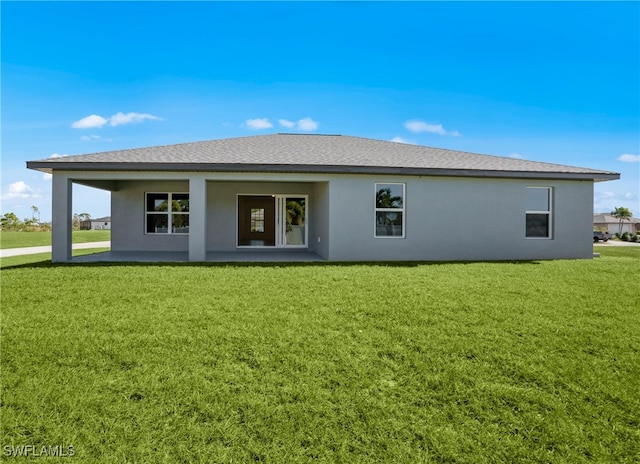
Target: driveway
617 243
47 249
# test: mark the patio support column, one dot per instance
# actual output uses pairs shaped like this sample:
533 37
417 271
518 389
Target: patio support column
197 218
62 193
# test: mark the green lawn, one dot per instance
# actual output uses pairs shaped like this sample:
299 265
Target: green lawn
348 363
43 259
31 239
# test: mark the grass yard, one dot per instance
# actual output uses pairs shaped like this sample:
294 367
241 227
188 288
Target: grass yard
352 363
10 239
43 259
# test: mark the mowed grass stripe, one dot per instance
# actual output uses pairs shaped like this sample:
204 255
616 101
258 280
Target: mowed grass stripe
478 362
12 239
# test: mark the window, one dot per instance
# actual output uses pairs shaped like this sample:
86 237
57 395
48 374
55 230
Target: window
257 220
538 215
167 213
389 204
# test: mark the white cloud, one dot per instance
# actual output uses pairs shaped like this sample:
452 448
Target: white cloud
89 137
258 123
626 158
47 176
606 195
121 118
304 124
307 124
20 190
607 200
616 196
515 156
90 122
56 155
399 139
416 126
95 121
286 123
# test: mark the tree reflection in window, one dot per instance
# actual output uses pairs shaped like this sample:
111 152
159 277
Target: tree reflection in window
295 212
159 220
389 210
384 199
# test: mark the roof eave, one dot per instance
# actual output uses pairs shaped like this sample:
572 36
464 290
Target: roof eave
49 167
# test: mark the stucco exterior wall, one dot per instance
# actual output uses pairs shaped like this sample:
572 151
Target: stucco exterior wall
128 217
446 218
459 219
222 207
100 225
614 228
128 211
321 238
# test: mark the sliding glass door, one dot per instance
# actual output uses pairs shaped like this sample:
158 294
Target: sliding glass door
291 221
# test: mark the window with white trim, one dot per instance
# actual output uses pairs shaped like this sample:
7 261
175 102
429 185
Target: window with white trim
389 210
167 213
539 218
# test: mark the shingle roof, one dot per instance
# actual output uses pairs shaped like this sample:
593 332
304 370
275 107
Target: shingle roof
315 153
604 218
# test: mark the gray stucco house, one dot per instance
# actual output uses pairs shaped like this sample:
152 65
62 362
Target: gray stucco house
613 225
334 197
101 223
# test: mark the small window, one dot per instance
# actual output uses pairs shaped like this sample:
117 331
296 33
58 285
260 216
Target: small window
538 212
257 220
389 210
167 213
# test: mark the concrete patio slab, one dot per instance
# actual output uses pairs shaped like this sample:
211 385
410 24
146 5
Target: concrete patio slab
266 256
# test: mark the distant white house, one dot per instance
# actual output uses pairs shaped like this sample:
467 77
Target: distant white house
338 198
612 224
103 223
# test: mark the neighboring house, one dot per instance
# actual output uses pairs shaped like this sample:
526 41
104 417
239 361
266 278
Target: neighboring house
103 223
612 224
342 198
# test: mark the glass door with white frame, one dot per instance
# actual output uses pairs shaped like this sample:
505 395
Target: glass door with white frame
291 220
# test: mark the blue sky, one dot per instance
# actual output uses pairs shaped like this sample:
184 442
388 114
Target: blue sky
554 82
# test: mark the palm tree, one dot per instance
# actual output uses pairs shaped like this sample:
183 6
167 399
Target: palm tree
35 212
623 214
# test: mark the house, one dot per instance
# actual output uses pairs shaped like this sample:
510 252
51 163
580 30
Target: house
337 198
611 224
103 223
